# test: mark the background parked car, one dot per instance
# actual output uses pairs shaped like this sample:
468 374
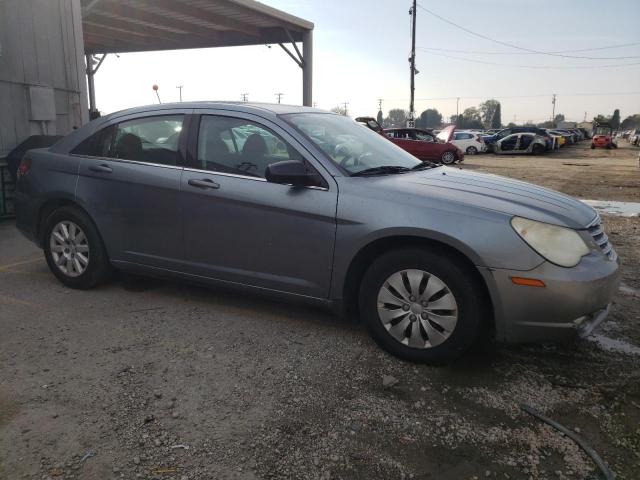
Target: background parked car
420 143
425 146
523 142
491 140
469 142
634 137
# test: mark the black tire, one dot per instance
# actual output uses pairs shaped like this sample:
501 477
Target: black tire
448 157
472 151
98 268
460 282
537 149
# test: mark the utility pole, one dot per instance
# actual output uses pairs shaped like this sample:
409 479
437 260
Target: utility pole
315 104
346 112
245 97
553 114
457 109
279 95
379 104
179 87
585 117
412 60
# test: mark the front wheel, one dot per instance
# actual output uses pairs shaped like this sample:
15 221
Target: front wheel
448 158
537 149
472 151
74 250
421 305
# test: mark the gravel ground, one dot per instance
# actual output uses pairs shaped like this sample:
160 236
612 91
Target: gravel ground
151 379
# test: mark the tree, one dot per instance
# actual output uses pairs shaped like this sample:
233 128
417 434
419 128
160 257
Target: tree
340 110
487 110
546 124
615 119
380 117
470 118
397 118
632 121
430 118
599 119
558 118
496 119
511 125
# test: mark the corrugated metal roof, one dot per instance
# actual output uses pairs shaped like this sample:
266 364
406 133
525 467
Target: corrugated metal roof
145 25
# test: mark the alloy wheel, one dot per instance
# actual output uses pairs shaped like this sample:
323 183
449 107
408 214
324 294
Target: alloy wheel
69 248
417 308
448 158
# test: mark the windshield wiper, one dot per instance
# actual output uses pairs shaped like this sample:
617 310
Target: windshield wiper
424 165
382 170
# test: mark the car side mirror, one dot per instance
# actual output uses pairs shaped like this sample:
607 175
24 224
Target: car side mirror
290 172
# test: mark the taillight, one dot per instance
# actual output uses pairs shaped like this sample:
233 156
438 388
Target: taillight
24 167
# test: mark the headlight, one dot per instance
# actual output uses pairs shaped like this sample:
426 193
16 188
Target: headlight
560 245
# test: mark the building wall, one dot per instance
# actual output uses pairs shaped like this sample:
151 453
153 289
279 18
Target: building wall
42 71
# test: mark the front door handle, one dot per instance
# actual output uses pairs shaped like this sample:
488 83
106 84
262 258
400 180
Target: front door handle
102 168
205 183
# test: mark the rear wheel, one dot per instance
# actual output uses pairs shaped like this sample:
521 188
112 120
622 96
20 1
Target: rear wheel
472 151
421 305
74 250
448 158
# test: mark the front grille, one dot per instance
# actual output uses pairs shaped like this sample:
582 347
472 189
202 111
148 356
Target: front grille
596 231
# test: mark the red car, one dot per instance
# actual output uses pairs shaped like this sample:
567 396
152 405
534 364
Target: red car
603 137
422 144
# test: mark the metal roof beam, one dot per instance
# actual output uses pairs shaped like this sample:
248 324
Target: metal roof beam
120 27
115 7
202 14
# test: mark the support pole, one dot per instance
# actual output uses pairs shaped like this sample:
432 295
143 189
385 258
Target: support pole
307 68
92 87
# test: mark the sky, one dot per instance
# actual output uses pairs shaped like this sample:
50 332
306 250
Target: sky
361 51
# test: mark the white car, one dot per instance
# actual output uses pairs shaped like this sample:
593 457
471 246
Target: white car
469 142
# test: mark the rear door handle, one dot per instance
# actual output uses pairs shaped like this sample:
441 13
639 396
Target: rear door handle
102 168
205 183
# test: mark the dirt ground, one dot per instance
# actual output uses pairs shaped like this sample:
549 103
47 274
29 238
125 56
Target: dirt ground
158 380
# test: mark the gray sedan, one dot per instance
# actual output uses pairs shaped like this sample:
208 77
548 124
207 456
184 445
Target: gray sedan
308 205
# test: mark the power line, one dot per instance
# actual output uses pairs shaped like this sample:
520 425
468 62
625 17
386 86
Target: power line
507 44
505 97
476 52
542 67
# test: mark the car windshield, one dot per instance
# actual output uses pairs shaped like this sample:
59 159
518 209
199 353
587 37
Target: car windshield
352 146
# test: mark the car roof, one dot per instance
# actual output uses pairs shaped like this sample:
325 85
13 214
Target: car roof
246 107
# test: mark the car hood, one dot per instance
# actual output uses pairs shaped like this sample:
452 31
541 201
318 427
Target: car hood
492 192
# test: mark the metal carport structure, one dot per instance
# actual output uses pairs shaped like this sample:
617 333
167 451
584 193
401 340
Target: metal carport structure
119 26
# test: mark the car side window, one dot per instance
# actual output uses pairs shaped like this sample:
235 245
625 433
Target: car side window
504 133
425 137
97 145
239 146
148 139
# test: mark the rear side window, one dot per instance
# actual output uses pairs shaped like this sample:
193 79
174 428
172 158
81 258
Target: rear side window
239 146
97 145
148 139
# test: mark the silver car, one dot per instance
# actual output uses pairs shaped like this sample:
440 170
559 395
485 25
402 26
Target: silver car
308 205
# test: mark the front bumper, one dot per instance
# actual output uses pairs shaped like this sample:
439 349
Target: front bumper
573 302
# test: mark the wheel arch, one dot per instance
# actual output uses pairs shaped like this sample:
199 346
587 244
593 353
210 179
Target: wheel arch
51 205
374 249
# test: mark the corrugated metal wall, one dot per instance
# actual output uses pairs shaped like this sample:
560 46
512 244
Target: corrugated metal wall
40 46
